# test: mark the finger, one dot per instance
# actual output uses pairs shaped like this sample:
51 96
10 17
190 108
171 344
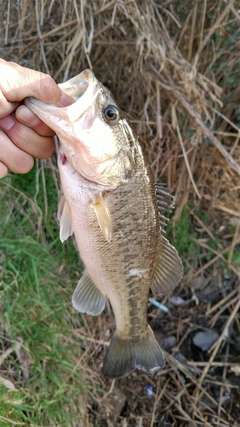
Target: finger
3 170
13 157
27 139
6 107
19 82
24 115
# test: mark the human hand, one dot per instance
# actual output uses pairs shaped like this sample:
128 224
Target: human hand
23 135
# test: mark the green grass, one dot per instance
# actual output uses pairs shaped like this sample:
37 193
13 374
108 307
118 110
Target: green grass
180 234
37 277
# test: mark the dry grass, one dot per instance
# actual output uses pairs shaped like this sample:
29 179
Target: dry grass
162 62
173 66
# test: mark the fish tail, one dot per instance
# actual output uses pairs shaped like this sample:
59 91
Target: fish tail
126 355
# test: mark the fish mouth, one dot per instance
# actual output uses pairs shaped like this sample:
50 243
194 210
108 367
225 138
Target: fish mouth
83 88
77 86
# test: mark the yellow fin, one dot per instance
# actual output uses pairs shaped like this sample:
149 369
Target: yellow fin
169 270
64 217
103 216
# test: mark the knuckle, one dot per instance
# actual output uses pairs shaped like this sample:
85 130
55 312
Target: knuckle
48 88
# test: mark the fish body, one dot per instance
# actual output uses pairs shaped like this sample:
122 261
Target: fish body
111 205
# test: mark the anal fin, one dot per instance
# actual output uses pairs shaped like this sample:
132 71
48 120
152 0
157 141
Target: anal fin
87 298
168 271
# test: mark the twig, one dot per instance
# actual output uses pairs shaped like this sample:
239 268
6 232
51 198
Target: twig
218 343
211 31
226 209
177 94
184 152
158 397
220 303
219 255
6 354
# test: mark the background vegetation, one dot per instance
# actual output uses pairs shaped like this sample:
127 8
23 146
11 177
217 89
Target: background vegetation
174 68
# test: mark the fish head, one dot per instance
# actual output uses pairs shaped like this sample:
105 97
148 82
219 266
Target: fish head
96 140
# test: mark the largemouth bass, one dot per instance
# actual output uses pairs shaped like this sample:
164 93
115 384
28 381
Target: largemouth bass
111 205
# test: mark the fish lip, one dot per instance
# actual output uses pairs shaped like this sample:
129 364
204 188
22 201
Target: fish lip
84 100
83 88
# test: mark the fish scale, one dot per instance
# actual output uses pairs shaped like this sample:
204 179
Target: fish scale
111 205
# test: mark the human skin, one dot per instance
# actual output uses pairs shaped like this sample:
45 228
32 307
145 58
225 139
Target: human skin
23 135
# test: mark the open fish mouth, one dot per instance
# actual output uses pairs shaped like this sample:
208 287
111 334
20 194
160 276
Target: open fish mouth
78 85
83 88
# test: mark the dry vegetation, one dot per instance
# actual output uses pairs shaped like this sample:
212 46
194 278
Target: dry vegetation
174 68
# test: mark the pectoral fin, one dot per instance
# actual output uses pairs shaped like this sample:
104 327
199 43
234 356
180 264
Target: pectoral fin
64 217
103 216
87 298
168 271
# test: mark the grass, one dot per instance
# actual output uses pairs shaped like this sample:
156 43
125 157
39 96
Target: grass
36 281
185 232
181 234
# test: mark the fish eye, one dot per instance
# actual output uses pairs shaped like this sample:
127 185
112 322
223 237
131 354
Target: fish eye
111 114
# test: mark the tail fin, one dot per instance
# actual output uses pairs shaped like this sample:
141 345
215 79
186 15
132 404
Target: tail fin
126 355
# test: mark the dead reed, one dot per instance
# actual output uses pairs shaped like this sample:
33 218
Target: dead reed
174 69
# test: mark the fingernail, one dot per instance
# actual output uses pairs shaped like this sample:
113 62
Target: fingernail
6 123
66 99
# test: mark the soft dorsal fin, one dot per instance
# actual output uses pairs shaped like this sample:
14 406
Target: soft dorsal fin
103 216
87 298
64 217
168 271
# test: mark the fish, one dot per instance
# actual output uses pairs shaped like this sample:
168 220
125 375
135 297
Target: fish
117 215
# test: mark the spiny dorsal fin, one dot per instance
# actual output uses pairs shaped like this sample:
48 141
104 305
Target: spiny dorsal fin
164 202
169 269
103 216
164 198
64 217
87 298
